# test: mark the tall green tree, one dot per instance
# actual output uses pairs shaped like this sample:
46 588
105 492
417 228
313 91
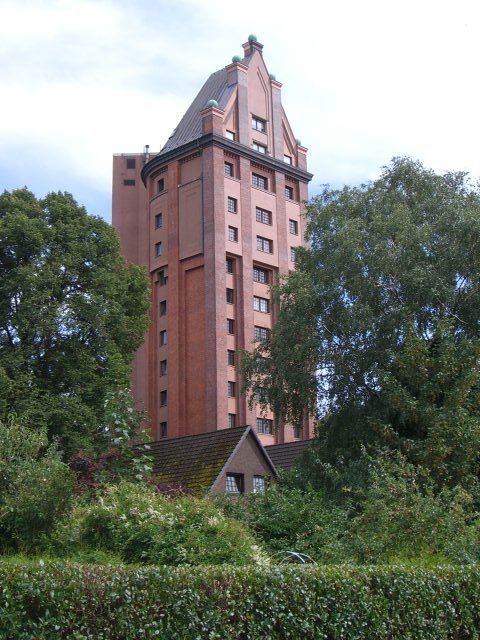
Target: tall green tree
379 325
72 314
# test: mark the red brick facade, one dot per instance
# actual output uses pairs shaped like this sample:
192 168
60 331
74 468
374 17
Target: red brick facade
224 194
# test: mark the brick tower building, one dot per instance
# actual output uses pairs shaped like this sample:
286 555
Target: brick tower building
215 217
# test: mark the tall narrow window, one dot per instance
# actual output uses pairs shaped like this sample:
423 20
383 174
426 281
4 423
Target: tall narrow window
163 367
289 193
230 358
163 430
293 227
163 398
162 277
233 234
297 431
231 389
232 204
229 265
161 185
158 249
230 296
230 326
163 307
261 304
158 221
234 483
232 420
228 169
163 337
293 254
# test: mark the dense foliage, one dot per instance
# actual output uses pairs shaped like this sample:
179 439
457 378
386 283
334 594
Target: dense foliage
72 314
60 600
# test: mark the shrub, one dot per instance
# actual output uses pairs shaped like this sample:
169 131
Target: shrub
137 523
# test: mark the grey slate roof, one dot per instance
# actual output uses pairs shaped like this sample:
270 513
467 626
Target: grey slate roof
190 126
285 455
194 462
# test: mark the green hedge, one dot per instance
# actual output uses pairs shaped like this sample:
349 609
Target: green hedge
60 600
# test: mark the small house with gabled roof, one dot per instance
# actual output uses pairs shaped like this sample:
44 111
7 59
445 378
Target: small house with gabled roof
229 460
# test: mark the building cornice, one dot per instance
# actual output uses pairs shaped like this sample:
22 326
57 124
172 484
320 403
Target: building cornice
229 145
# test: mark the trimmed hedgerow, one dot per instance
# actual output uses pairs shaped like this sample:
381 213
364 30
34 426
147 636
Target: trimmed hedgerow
60 600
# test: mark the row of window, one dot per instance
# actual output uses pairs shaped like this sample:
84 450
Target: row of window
259 181
235 483
259 274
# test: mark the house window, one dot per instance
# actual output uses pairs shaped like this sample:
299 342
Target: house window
233 234
163 430
265 426
229 265
163 337
158 221
161 185
232 204
297 431
230 358
230 296
289 193
258 124
261 148
230 326
232 420
259 181
228 169
259 484
163 307
234 483
260 275
163 367
158 249
262 396
293 254
162 277
231 389
230 135
129 183
163 398
263 216
287 159
293 227
261 304
264 244
131 163
261 333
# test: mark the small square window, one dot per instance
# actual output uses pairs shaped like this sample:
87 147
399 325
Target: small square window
161 185
162 277
232 420
233 234
261 304
263 216
163 367
265 426
232 204
293 227
230 135
261 148
158 221
163 307
163 430
129 183
258 124
234 483
289 193
261 333
229 265
228 169
230 296
230 326
287 159
231 389
163 398
259 181
259 484
131 163
260 275
163 337
230 358
264 244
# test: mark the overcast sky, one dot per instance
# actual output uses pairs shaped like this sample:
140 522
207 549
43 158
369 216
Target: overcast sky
363 81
